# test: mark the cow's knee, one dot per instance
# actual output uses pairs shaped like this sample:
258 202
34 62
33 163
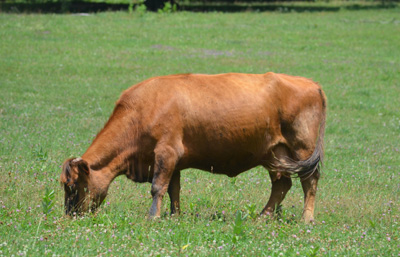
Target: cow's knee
166 158
157 188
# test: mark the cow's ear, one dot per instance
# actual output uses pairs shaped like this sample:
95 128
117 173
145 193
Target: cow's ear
82 165
65 177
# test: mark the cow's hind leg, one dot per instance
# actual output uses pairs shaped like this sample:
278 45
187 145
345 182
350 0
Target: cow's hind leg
174 191
280 183
309 182
305 131
165 161
310 190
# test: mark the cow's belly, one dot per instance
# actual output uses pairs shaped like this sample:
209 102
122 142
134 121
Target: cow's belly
221 158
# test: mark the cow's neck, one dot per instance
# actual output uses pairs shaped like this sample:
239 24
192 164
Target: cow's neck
108 156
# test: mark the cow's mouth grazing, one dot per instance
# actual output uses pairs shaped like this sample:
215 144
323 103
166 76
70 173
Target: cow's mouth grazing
71 200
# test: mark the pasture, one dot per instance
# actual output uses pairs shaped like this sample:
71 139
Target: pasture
60 76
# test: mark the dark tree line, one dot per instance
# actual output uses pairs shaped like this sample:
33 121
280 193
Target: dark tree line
73 6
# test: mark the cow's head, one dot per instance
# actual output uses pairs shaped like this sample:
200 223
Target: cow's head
80 196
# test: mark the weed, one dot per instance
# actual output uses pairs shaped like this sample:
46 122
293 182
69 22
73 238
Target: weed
48 201
238 227
252 211
372 223
39 154
313 252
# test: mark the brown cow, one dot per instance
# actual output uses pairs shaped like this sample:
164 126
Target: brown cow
226 124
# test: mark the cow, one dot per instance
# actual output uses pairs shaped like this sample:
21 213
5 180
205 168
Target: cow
223 123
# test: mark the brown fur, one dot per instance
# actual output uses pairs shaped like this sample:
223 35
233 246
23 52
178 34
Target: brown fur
226 123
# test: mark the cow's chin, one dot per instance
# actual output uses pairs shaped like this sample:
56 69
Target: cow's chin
91 205
94 204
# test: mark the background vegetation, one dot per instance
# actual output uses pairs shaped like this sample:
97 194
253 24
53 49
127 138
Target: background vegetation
61 74
79 6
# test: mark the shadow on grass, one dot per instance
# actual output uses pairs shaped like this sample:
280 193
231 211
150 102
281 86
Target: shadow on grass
91 7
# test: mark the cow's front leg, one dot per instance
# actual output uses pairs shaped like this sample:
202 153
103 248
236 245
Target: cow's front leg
310 190
165 160
174 189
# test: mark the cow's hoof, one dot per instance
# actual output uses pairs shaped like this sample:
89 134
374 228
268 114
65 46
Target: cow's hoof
307 217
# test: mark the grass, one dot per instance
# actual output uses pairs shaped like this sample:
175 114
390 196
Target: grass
60 76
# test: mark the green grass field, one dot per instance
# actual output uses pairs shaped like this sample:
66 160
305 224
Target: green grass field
60 76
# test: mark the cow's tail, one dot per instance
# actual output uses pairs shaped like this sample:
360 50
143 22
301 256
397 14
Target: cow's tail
306 168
